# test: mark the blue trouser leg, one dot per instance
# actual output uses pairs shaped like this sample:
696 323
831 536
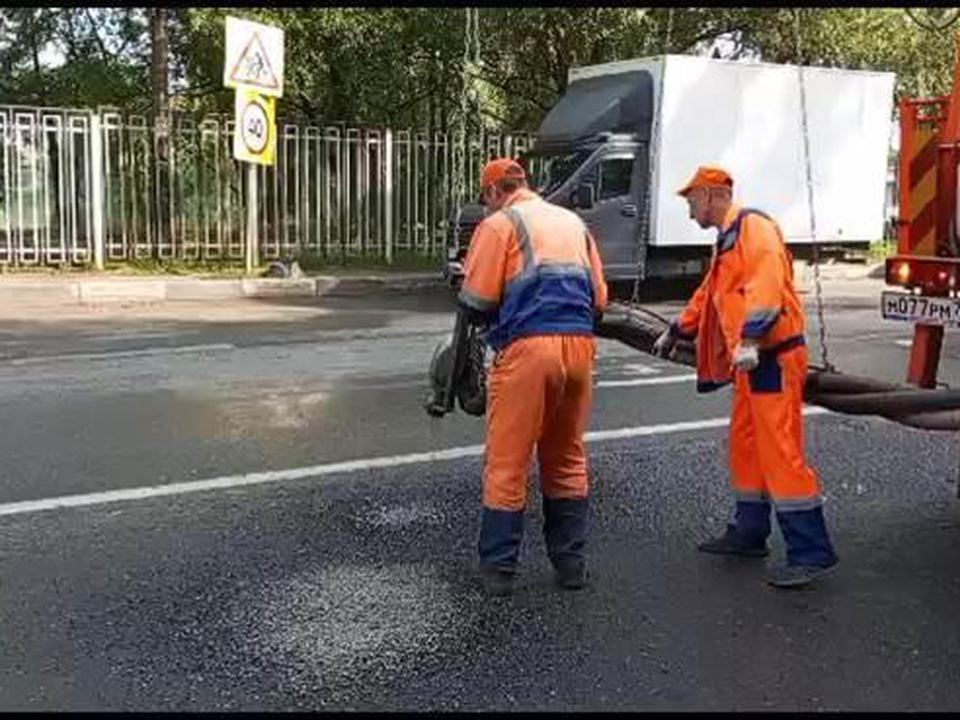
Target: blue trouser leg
500 534
805 534
753 521
565 530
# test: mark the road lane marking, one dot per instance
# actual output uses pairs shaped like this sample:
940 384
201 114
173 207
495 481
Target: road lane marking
635 382
639 369
349 466
144 352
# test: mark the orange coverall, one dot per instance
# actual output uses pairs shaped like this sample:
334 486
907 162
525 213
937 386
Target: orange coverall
534 267
748 293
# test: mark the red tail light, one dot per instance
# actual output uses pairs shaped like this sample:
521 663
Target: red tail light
932 275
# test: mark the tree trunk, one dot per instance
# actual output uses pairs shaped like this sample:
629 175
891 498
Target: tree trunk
159 75
159 68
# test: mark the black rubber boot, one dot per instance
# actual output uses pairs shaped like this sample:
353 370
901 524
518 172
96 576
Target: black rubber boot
797 576
497 582
734 543
572 577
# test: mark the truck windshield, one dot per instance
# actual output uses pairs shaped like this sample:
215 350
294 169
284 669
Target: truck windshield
552 171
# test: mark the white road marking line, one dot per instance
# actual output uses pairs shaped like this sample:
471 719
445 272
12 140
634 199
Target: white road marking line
875 336
136 335
639 369
633 382
903 343
349 466
145 352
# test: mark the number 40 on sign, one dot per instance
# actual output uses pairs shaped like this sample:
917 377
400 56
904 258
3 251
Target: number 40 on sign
255 132
253 65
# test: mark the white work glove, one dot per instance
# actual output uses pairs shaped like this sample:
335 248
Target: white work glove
665 343
746 357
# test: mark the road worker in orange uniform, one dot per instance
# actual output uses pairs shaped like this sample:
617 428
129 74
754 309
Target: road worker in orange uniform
749 327
533 275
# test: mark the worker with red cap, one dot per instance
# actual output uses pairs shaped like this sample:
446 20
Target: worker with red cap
533 276
749 326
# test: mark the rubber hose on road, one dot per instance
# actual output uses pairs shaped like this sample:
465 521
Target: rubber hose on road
847 394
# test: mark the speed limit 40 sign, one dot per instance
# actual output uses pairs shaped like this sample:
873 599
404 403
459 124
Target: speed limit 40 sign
255 130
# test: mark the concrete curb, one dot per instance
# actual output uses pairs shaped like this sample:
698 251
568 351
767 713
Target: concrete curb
371 284
102 291
804 272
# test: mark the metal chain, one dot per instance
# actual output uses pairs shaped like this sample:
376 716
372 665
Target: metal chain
818 287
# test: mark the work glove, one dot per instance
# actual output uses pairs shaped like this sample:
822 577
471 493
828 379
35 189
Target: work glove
665 343
747 356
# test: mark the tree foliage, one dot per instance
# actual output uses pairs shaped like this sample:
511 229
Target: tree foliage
403 66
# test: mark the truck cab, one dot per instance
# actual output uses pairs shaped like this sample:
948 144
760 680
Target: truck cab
807 145
591 156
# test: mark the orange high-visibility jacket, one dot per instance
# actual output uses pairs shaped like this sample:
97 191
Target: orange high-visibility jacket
747 293
535 268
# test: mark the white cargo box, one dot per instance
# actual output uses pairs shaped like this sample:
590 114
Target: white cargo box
746 117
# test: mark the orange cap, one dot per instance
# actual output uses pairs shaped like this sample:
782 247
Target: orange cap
501 169
707 176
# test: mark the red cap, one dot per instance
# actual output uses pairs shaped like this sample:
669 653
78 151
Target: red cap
707 176
501 169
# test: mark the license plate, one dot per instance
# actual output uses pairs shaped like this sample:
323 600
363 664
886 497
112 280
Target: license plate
917 308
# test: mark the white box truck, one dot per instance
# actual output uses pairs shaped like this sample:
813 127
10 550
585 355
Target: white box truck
626 135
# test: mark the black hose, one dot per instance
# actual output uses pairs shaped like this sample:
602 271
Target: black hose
847 394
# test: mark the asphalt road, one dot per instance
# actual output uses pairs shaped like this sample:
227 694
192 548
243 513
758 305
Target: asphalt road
263 518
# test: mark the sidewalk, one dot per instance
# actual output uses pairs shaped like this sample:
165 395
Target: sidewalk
84 289
100 288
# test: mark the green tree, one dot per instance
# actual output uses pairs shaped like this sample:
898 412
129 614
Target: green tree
72 56
401 66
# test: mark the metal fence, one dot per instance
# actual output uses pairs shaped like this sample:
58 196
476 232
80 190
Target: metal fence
77 182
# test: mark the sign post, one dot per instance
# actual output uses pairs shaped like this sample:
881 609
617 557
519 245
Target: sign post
254 68
252 240
254 142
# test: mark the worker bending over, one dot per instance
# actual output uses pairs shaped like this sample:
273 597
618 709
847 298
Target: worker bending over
533 275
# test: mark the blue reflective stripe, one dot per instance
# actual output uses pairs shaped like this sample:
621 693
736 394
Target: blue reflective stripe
759 322
798 504
546 269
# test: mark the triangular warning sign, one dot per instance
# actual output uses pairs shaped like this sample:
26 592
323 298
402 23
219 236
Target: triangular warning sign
253 66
